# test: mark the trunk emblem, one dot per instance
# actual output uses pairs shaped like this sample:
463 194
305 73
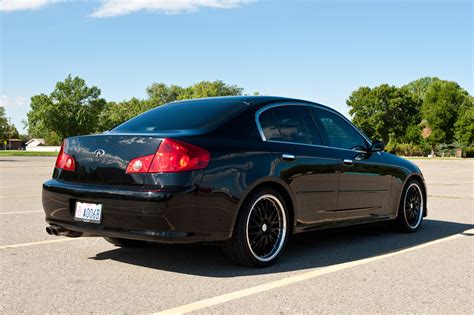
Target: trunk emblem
99 153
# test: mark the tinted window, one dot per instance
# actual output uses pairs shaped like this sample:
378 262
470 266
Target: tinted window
340 133
182 116
269 125
289 124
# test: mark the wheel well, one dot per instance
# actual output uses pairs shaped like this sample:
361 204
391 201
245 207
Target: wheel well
286 197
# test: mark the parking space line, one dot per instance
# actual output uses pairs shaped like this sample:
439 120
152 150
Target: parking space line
220 299
18 196
20 212
39 243
450 197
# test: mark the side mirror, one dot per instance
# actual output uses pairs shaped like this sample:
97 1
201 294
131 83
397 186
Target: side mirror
377 146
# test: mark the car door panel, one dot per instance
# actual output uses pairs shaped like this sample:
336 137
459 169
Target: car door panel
364 183
313 177
364 186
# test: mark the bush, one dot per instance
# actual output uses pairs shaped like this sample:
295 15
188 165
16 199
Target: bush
468 152
407 149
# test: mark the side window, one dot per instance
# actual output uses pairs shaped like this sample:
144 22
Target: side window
296 124
269 125
339 132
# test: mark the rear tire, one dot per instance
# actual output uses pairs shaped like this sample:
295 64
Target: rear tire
261 230
412 206
124 242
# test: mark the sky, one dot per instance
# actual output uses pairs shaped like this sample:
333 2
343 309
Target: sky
315 50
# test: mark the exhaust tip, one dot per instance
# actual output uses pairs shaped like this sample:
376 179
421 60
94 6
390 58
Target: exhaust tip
59 231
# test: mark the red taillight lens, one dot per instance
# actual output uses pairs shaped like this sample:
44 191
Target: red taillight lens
172 156
65 161
140 165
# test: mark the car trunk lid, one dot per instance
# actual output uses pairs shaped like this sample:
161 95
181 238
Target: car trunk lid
103 158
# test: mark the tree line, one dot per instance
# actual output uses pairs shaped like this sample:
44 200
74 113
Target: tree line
73 108
424 113
7 129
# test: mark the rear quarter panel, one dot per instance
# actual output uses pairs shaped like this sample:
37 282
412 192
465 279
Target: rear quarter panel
235 167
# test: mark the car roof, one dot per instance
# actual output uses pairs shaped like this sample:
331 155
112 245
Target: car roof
251 100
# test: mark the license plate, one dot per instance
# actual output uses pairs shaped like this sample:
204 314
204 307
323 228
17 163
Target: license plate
88 212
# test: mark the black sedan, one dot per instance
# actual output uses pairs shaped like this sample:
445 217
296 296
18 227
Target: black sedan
244 172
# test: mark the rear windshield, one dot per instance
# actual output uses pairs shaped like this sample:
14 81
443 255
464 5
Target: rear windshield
182 116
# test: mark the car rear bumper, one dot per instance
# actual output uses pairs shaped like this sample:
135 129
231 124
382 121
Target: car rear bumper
130 212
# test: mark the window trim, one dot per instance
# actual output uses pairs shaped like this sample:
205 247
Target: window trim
321 107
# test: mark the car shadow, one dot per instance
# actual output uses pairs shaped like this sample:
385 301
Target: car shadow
304 251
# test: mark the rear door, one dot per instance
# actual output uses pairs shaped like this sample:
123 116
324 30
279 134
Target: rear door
364 184
310 170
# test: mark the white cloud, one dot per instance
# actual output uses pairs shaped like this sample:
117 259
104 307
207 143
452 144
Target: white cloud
14 5
110 8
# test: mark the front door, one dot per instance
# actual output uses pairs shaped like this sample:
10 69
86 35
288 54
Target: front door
364 183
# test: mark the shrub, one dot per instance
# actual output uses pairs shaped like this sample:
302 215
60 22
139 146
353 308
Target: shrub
407 149
468 152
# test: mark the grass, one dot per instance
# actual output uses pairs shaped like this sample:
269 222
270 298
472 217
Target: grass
26 153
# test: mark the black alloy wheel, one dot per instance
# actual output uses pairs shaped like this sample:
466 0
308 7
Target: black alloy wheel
261 230
410 213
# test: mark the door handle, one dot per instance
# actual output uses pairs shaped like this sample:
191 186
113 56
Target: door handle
348 162
288 157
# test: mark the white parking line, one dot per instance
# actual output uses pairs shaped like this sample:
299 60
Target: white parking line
40 243
18 196
220 299
449 197
20 212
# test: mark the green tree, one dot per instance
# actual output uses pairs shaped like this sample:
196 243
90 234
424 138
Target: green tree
386 112
464 126
7 130
71 109
209 89
420 86
116 113
3 125
442 102
160 93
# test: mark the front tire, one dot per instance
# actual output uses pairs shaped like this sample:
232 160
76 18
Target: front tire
261 230
412 203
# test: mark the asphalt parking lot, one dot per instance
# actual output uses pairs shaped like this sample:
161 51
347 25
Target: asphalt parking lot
369 269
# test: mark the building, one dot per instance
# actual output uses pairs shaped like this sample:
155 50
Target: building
35 143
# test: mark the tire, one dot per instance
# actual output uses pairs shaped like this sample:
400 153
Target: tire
410 211
261 230
124 242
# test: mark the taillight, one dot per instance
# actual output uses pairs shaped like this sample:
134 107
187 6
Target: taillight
171 156
65 161
140 165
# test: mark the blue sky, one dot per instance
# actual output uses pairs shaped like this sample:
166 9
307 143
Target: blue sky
315 50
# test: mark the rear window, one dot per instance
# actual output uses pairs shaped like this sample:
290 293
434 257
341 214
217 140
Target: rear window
182 116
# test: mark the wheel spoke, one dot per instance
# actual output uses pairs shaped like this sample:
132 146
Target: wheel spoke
413 205
265 228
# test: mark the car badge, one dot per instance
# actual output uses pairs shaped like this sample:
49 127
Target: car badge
99 153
